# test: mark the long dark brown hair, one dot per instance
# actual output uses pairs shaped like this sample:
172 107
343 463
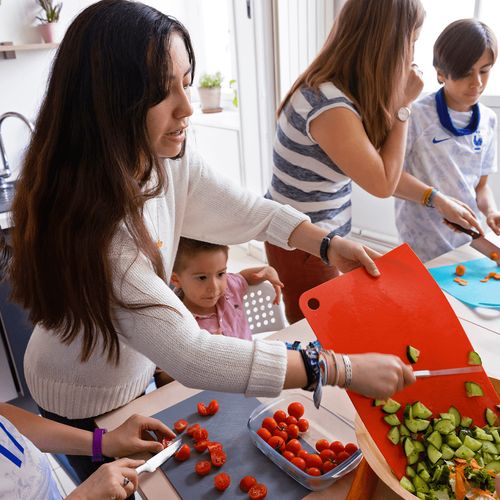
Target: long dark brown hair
366 56
87 166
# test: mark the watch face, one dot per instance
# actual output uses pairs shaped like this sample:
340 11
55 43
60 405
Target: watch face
403 114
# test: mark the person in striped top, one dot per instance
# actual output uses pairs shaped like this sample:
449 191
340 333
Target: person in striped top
343 120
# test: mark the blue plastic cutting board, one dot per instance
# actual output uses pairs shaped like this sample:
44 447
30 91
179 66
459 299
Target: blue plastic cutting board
229 427
475 294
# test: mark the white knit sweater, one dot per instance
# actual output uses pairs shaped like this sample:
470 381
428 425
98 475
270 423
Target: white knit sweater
199 204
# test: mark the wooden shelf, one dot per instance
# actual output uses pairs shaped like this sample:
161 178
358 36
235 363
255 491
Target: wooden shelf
5 49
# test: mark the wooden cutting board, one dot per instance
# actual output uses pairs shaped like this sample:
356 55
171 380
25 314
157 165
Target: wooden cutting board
356 313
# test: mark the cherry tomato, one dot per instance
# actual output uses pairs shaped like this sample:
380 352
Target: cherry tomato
296 409
313 471
282 434
200 446
200 434
327 455
180 426
213 407
213 446
222 481
279 416
299 462
322 444
302 454
183 453
247 482
294 446
351 448
264 434
218 457
314 461
288 455
202 409
269 423
257 491
293 431
203 467
342 456
303 424
328 466
165 442
337 447
291 420
190 430
277 443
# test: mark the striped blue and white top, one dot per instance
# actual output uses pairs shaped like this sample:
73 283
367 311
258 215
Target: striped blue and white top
303 174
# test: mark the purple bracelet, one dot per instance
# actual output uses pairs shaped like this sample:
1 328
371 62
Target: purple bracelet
97 444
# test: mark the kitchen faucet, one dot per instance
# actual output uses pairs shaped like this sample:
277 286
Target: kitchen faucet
6 172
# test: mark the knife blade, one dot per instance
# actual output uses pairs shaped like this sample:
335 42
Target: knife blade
154 462
479 243
447 371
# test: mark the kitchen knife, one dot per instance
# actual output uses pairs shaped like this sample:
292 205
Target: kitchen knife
479 243
154 462
447 371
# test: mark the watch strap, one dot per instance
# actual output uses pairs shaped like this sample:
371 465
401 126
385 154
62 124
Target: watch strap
97 444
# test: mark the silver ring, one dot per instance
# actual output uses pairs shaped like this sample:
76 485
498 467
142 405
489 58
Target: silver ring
125 481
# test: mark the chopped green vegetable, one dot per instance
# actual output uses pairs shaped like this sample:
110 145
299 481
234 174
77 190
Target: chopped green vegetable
420 411
392 419
473 390
474 358
490 417
393 435
456 415
391 406
412 353
407 484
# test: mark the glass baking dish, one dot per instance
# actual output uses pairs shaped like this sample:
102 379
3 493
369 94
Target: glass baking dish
322 424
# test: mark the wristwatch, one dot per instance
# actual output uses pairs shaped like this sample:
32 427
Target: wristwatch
403 113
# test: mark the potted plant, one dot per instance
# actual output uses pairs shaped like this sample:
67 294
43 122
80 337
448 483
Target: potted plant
48 19
209 92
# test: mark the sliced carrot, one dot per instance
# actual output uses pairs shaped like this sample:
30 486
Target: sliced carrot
494 256
497 276
460 490
461 281
485 280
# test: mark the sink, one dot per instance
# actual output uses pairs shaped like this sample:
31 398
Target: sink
7 193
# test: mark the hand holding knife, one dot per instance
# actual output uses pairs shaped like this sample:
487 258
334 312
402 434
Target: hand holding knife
154 462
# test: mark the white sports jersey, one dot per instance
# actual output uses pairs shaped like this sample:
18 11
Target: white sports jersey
452 164
25 472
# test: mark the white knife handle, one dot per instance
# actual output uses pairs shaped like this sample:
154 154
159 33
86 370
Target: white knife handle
143 468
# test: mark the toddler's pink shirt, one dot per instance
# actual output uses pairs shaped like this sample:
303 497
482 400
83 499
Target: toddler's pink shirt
229 318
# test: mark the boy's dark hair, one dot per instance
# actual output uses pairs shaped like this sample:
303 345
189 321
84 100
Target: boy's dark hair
190 248
460 45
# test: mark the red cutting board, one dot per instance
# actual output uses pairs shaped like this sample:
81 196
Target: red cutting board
356 313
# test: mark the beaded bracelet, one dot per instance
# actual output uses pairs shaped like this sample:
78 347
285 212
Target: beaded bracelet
348 371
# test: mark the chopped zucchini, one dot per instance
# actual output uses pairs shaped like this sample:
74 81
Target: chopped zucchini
410 472
393 435
420 484
407 484
490 417
433 454
418 445
422 496
494 466
413 457
453 441
444 426
473 390
448 416
412 353
496 436
435 439
379 402
403 431
465 422
424 474
420 411
471 443
408 446
391 406
464 452
392 419
447 451
456 415
474 358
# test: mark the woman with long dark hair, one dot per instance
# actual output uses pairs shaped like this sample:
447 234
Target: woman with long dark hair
108 186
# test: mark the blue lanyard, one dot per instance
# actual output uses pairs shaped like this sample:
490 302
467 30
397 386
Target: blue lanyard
7 453
444 116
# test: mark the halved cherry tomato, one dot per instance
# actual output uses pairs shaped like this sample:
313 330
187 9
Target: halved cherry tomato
351 448
222 481
293 431
269 423
213 446
218 457
322 444
277 443
183 453
247 482
294 446
288 455
327 455
165 442
213 407
303 424
328 466
314 460
313 471
200 446
257 491
342 456
291 420
296 409
203 467
337 447
279 416
299 462
202 409
200 434
180 426
190 430
264 434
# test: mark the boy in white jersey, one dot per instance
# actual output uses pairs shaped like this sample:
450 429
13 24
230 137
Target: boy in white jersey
451 147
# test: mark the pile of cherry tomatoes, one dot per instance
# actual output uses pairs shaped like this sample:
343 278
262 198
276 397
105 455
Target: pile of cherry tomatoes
281 432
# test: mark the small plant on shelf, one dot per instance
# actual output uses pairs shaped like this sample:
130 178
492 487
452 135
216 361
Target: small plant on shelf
209 91
210 80
51 11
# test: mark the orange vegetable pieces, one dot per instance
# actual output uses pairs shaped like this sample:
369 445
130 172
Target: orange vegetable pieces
460 270
494 256
461 281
